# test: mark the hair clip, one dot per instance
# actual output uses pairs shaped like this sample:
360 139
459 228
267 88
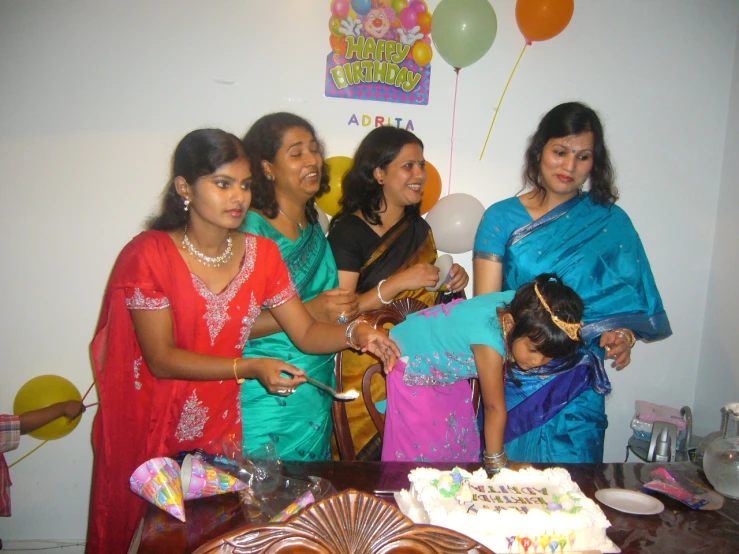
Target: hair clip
572 329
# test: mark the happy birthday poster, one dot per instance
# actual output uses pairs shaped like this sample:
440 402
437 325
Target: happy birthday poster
380 50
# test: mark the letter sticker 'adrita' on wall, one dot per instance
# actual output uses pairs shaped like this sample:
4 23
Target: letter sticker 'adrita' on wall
380 50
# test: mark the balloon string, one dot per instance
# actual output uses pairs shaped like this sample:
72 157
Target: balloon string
19 460
69 422
497 109
88 391
454 118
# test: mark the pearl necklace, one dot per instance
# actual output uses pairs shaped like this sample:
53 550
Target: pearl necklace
300 225
207 260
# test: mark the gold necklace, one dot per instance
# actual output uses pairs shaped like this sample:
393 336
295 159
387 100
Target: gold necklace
300 225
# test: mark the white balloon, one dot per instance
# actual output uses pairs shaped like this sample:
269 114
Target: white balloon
454 220
322 219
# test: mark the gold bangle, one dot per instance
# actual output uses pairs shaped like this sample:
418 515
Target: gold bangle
628 334
239 380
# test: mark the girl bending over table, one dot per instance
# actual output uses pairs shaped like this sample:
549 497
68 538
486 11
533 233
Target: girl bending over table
430 416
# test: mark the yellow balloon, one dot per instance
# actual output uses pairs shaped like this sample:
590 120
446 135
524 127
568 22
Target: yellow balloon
43 391
337 169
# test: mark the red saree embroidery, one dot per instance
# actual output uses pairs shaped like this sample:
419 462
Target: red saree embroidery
140 416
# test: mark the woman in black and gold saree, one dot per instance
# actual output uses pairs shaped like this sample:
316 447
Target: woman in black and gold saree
384 250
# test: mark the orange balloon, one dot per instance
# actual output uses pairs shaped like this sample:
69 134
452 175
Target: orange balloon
543 19
422 53
431 189
424 20
338 44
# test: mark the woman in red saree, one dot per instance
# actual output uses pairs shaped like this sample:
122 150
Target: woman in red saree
177 312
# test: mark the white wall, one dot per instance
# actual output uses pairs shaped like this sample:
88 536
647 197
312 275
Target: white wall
718 364
94 96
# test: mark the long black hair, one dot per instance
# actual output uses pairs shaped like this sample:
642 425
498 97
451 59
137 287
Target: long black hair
361 191
531 319
572 118
199 153
262 142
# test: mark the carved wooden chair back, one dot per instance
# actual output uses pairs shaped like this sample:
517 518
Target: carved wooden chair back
352 522
377 417
392 314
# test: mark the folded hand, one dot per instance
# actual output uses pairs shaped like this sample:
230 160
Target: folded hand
617 348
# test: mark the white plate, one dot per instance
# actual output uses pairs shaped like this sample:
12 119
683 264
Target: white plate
631 502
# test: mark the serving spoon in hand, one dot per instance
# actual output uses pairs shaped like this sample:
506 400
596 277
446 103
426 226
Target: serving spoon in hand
350 394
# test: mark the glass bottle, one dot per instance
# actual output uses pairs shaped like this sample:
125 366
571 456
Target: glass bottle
721 460
706 441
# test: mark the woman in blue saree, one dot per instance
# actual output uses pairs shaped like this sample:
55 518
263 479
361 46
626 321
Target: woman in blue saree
557 413
285 147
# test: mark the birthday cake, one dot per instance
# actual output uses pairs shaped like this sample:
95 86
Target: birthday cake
515 511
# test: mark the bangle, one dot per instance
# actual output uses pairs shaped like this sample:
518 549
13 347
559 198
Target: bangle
350 331
494 456
379 294
493 470
495 462
239 380
628 334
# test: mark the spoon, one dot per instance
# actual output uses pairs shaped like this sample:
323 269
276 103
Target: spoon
346 395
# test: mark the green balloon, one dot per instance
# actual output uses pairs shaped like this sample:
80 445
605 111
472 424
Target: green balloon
399 5
463 30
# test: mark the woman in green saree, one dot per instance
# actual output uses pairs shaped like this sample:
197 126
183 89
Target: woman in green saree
384 250
289 174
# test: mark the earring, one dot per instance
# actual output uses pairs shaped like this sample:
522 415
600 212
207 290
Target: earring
187 204
271 178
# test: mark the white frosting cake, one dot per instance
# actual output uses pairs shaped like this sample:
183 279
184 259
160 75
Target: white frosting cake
515 511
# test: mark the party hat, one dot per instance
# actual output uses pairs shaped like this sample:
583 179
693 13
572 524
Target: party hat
158 481
200 479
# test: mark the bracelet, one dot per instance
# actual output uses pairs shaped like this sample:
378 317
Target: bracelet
239 380
496 465
628 334
350 331
494 456
491 471
495 462
379 294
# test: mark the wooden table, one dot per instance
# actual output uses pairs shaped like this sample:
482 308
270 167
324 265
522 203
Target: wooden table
676 529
